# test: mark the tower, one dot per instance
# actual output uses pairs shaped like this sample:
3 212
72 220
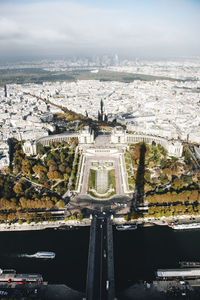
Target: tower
101 107
5 91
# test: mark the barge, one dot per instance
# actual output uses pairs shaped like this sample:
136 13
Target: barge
189 264
185 226
126 227
178 273
11 276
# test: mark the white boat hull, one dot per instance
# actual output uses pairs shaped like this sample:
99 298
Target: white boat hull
186 226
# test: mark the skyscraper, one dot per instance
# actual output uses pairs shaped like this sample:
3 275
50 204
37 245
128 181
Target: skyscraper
5 90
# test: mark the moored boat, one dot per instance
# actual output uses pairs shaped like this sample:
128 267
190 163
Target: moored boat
126 227
189 264
185 226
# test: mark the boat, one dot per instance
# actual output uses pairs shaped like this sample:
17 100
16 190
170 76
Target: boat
148 224
189 264
126 227
11 275
44 254
185 226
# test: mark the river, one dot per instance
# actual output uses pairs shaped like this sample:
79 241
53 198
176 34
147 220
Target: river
137 253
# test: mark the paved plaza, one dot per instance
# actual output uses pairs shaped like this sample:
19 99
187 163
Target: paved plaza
102 183
102 178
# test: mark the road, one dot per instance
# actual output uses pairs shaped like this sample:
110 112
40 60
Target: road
100 273
100 280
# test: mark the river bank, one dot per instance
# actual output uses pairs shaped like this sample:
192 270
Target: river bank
44 225
163 221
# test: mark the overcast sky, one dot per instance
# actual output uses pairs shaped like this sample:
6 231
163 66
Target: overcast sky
148 28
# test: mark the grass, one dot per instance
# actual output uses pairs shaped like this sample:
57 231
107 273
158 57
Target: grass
111 179
91 183
92 179
38 75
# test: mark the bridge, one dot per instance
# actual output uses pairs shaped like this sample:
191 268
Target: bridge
100 274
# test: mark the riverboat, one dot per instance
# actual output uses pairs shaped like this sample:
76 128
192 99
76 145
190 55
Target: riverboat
126 227
185 226
44 254
189 264
10 276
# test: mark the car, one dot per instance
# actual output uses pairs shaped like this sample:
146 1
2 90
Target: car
107 285
3 293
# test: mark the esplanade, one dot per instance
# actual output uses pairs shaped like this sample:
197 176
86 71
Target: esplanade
118 137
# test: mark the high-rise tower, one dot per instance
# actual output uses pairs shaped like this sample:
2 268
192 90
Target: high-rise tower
5 91
101 107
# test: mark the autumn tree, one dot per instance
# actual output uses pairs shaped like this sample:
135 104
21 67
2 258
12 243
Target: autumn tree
60 204
18 188
136 153
61 168
68 170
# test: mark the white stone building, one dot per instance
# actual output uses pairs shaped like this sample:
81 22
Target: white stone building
118 137
4 155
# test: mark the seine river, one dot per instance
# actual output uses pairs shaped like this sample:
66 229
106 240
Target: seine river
137 253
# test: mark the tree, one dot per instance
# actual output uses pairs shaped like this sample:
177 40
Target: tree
147 176
62 157
60 203
79 216
68 170
164 179
18 188
66 177
73 141
46 185
168 172
126 218
177 183
57 175
163 163
11 217
61 168
136 153
186 179
23 202
51 162
41 150
52 168
26 167
38 168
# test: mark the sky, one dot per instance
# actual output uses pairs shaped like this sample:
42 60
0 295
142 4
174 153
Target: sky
130 28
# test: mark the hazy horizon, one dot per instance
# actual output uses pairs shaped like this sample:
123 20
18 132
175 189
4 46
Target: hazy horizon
143 29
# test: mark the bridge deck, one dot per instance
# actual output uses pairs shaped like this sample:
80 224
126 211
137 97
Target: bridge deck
100 276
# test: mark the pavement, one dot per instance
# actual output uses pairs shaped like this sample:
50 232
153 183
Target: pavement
88 162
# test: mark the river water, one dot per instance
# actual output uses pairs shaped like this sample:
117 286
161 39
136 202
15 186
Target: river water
137 253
